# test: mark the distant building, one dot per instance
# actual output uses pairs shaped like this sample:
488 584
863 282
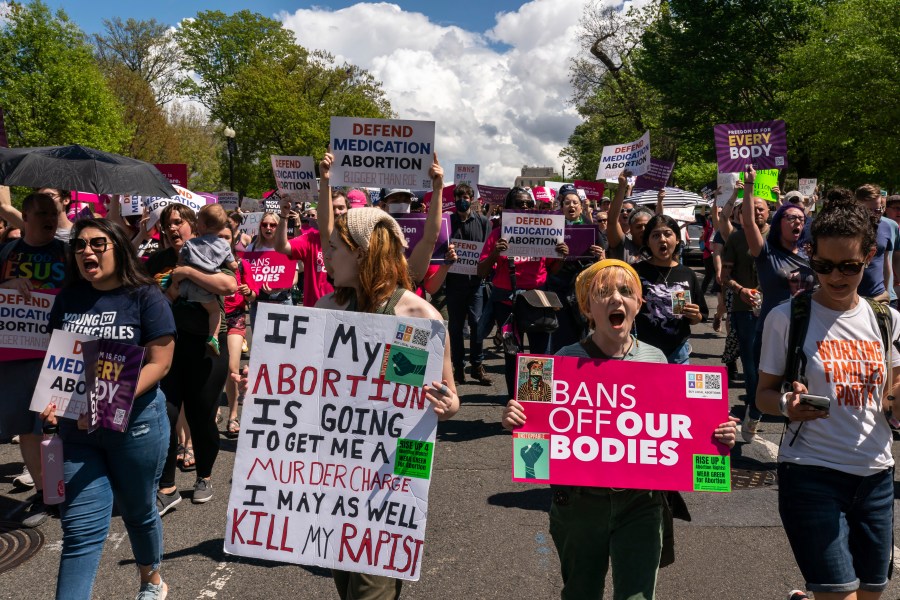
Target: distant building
535 176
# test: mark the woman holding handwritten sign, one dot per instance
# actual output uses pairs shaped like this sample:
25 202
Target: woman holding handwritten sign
109 296
592 527
365 257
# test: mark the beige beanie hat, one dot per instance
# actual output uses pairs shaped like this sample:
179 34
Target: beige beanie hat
361 221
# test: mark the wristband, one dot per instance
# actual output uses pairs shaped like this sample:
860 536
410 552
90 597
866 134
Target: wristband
783 404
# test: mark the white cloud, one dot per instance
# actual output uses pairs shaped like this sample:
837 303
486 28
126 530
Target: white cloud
499 98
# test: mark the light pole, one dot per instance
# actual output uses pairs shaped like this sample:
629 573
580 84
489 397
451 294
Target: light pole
229 138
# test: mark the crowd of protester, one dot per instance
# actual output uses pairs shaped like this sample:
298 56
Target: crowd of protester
185 292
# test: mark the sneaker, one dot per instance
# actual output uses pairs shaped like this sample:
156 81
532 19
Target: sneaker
797 595
39 512
150 591
15 439
478 374
212 343
166 502
203 491
25 480
749 428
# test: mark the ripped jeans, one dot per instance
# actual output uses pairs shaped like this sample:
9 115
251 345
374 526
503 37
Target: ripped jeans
103 466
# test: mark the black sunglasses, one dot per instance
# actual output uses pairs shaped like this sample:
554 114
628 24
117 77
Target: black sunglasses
98 245
626 211
848 267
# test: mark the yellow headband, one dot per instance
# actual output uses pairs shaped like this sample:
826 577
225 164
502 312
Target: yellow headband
585 280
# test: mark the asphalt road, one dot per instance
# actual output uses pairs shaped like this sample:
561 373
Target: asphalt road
487 537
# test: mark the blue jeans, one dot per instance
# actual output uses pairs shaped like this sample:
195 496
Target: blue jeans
680 355
103 466
744 324
840 526
465 304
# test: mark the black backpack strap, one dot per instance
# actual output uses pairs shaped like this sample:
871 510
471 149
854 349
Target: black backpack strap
795 368
885 327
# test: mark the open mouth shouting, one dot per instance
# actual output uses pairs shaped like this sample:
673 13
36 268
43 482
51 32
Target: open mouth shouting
617 318
90 265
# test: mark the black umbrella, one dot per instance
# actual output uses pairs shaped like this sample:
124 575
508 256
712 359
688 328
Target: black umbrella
83 169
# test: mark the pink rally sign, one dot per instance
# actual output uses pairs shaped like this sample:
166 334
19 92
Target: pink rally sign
273 269
610 423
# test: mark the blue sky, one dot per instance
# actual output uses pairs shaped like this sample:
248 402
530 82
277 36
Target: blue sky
492 74
473 15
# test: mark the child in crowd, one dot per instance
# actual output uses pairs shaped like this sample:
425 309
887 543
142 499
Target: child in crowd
207 252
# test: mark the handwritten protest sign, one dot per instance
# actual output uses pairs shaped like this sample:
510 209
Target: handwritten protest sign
593 190
335 458
250 224
468 175
532 233
385 153
656 177
634 156
413 227
492 194
228 200
273 269
579 239
725 184
765 180
807 187
296 175
62 379
468 253
24 324
111 375
762 143
621 424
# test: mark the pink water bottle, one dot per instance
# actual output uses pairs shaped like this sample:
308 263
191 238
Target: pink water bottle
52 466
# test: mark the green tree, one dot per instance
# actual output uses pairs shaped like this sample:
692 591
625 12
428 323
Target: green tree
718 61
276 95
51 89
146 48
840 93
216 46
617 104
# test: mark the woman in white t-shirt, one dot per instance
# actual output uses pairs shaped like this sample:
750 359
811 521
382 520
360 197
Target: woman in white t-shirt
835 471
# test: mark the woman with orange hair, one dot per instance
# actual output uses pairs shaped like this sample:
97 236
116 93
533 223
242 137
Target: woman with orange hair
365 258
592 527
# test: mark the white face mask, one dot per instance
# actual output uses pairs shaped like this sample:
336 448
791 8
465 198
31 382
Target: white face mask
398 208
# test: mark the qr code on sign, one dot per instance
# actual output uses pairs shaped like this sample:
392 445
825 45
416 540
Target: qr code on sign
420 338
704 385
779 161
713 381
119 417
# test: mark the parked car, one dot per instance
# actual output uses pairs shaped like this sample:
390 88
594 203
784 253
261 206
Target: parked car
692 253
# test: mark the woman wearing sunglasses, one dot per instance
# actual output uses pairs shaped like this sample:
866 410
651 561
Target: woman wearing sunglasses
835 468
782 266
624 218
107 286
265 241
530 274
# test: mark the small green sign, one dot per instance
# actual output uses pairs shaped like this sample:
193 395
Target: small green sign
712 473
413 458
405 365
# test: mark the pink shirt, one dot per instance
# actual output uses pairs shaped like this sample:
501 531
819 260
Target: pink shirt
308 249
237 301
531 272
